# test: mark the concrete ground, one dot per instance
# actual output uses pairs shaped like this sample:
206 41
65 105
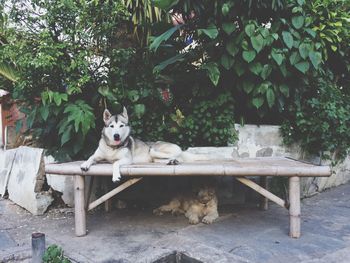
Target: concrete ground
242 234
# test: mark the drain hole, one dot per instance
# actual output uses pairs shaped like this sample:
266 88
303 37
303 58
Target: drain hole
177 257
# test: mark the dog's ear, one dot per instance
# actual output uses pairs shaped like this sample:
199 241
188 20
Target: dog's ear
124 115
106 116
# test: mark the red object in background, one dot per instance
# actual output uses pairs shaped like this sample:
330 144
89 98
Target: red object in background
9 114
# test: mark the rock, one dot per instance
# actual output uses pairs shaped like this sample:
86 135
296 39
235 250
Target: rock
6 163
25 186
264 152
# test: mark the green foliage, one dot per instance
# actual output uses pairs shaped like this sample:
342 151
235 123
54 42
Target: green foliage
54 254
267 54
260 61
210 123
321 121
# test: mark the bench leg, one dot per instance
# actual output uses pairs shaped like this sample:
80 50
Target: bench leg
79 206
264 202
294 209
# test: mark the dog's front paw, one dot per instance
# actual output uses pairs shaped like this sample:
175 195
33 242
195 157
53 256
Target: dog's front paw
173 162
85 166
116 177
193 220
208 220
157 212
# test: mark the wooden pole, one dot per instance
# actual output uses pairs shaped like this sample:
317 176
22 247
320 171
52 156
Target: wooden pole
262 191
108 202
113 193
294 209
264 202
88 195
79 206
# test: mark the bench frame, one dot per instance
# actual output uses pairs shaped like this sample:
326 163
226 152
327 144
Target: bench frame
82 204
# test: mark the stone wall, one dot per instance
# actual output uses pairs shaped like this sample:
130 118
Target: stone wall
265 140
21 173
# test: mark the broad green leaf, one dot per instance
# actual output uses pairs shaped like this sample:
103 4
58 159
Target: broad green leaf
249 29
228 27
105 92
249 55
211 31
264 32
9 72
44 112
172 60
164 4
227 61
270 96
258 102
266 71
311 32
298 21
288 39
301 2
257 42
57 98
66 136
315 58
245 45
213 72
278 57
284 90
163 37
275 36
239 69
231 47
294 58
225 9
248 86
283 69
256 68
304 50
263 87
302 66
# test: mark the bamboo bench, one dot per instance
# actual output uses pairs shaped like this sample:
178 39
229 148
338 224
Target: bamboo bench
239 168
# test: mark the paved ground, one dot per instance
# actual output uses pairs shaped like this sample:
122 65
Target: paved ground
242 234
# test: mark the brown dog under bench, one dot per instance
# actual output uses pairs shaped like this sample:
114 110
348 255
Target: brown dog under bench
240 168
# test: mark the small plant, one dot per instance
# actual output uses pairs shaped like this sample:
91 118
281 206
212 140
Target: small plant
321 122
54 254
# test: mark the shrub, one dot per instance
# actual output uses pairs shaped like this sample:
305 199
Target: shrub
54 254
321 122
75 58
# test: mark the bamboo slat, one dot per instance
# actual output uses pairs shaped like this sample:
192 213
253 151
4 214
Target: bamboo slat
262 191
113 193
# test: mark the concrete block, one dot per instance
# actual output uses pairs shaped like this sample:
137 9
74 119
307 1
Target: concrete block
6 163
62 184
27 179
215 152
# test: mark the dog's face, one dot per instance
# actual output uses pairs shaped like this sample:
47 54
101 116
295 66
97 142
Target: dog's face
116 128
206 194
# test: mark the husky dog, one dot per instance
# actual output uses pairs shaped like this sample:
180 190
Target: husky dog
119 148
